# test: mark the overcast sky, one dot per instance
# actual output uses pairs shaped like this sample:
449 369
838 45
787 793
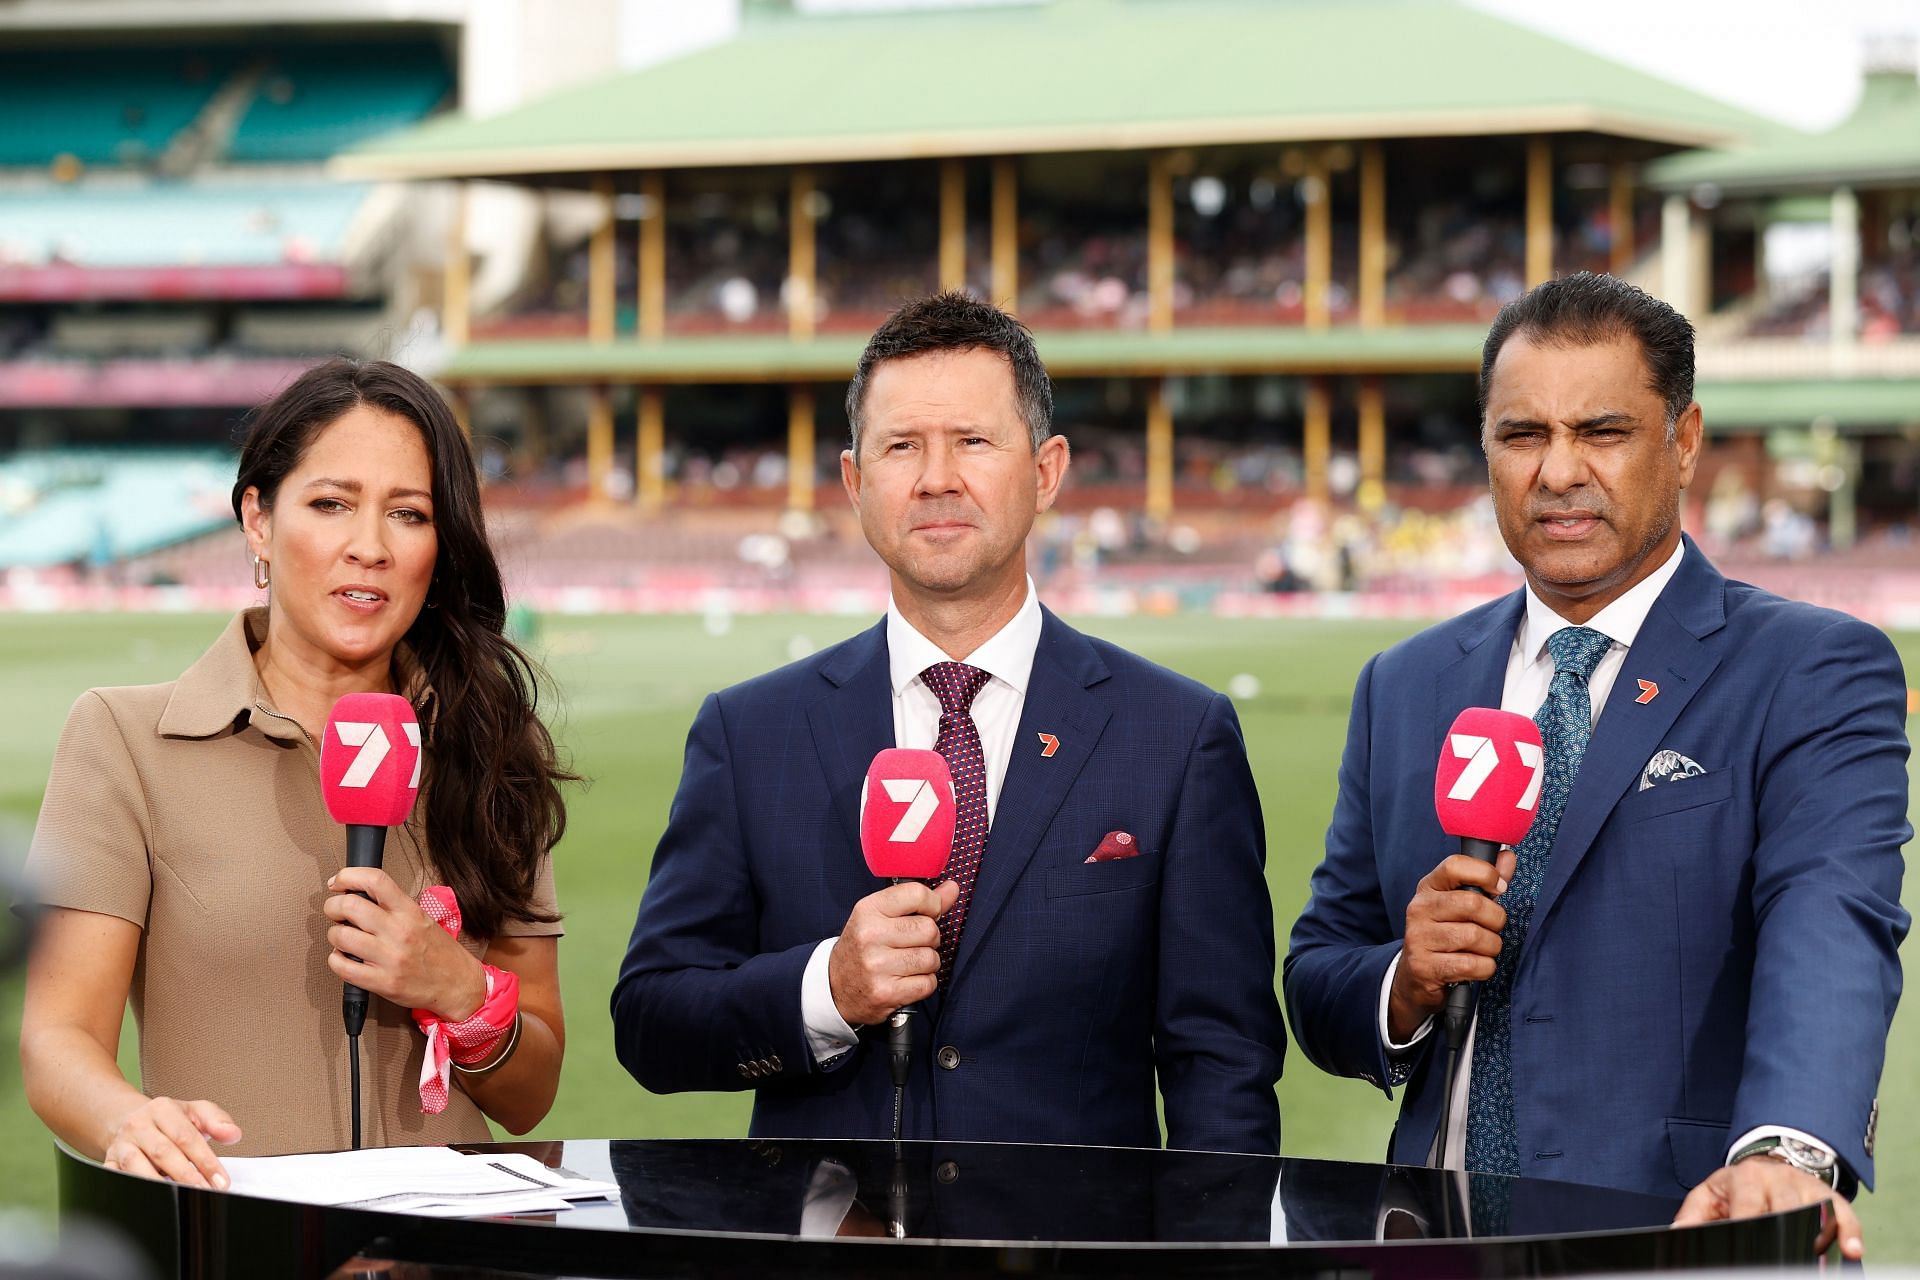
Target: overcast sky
1795 60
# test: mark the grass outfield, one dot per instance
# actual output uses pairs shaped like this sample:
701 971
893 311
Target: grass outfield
630 687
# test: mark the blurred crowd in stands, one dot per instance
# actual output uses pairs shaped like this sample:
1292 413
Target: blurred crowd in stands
1240 254
1889 293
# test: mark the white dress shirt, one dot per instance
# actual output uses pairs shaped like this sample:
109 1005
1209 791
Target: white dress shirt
1007 658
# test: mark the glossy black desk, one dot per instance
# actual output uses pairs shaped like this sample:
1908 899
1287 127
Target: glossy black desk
778 1208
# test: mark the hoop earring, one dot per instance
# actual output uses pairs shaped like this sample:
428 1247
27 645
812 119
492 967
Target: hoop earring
262 574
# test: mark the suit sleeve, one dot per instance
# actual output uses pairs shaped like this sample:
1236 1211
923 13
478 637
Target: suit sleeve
1346 938
1831 818
1219 1042
697 1004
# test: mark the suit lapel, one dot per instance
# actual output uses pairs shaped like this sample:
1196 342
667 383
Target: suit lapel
852 724
1058 702
1670 650
1478 678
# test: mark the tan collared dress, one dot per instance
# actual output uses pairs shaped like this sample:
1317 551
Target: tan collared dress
193 809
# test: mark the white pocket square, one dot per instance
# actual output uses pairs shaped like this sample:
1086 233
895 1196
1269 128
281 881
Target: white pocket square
1666 767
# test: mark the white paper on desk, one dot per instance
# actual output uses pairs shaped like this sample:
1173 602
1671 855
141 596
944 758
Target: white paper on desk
423 1179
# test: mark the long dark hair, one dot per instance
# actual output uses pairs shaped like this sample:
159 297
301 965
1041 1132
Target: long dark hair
493 778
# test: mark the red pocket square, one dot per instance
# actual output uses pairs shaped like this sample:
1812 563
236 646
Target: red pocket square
1114 847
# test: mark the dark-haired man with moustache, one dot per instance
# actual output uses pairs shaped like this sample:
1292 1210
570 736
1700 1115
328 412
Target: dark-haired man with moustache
1105 930
1688 968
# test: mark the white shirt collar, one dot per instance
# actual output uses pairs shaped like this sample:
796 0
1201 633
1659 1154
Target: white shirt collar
1007 655
1619 622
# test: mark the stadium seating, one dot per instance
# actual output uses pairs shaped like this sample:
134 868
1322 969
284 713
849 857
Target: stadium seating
199 223
314 102
66 506
103 106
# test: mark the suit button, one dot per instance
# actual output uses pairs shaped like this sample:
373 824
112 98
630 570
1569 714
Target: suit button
947 1172
746 1072
948 1057
774 1062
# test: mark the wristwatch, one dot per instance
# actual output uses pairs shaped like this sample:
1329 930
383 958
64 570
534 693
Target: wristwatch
1815 1161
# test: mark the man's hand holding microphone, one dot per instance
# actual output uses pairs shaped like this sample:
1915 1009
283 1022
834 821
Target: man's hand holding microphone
888 956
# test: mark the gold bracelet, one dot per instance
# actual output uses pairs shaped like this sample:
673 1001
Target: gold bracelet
493 1063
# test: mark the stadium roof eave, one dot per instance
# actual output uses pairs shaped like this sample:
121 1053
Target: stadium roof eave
1069 353
463 150
1848 404
1877 145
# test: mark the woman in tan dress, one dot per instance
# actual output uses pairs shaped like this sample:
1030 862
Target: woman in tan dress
186 863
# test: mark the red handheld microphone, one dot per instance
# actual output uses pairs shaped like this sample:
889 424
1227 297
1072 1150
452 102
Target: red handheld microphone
370 761
907 814
1486 791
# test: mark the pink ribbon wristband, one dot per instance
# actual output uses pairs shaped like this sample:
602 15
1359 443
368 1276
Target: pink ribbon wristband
472 1039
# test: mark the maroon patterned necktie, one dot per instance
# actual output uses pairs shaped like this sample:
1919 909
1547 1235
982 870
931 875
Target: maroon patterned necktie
955 684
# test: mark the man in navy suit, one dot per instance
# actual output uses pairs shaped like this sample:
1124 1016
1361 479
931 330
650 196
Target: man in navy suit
1061 986
1688 969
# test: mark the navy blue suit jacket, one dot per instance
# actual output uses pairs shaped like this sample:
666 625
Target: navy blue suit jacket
1707 955
1075 985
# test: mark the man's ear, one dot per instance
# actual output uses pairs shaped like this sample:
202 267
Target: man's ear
1050 460
850 476
1689 433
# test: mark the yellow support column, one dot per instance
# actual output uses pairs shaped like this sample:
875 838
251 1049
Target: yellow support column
1539 211
1160 242
802 264
1318 445
652 303
1373 445
600 272
800 448
1159 451
456 290
1005 281
1620 249
1373 236
599 444
1319 282
953 223
650 452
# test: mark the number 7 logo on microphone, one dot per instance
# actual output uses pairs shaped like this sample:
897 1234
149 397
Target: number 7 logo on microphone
1483 758
922 803
374 747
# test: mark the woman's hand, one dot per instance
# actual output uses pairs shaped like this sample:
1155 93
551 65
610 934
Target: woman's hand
385 944
162 1138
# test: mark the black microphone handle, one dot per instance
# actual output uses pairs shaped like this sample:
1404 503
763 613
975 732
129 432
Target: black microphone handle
1462 996
365 845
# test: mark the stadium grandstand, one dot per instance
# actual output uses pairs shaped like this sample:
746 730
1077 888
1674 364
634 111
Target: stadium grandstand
1260 271
173 252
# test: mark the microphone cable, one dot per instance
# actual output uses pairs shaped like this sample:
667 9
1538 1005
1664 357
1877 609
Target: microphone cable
354 1013
353 1087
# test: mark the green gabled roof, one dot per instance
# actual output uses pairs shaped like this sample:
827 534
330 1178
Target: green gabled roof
1073 353
1878 144
1066 76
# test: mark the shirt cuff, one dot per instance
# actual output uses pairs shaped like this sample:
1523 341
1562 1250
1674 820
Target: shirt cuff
1394 1048
828 1034
1760 1131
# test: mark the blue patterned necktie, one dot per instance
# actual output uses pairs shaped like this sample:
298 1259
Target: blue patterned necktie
1566 722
